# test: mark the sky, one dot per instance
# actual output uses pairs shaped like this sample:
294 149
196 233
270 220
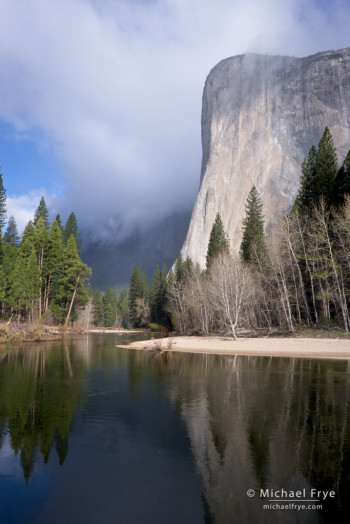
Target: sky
100 100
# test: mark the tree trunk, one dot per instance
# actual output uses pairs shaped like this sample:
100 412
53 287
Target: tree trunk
72 301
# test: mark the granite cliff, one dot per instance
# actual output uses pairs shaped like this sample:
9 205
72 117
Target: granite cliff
260 116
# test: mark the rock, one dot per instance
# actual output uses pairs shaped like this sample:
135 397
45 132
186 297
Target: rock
260 116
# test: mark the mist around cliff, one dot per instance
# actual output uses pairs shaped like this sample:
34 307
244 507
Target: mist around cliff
110 93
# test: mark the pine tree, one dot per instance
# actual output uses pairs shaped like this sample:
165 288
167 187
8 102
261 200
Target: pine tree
40 242
179 267
98 308
11 235
2 203
218 241
42 212
71 228
253 239
137 290
341 186
52 266
308 193
33 283
157 297
109 315
110 307
326 166
29 232
123 307
74 274
59 222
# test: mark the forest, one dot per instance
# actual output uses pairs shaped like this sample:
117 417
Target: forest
296 274
42 275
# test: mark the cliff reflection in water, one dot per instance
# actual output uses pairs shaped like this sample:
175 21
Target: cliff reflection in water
252 423
258 422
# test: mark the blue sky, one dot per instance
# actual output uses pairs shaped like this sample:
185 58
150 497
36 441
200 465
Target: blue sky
100 100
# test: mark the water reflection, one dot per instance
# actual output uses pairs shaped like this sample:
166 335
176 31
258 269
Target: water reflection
249 423
257 423
39 393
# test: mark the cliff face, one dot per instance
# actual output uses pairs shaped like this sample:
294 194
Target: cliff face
260 116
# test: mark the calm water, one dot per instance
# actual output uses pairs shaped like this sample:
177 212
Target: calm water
90 433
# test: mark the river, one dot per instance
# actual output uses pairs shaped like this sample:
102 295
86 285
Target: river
93 433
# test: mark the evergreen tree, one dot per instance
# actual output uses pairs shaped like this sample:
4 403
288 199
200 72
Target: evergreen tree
25 289
109 315
309 192
341 186
74 274
2 203
40 241
71 228
253 239
110 306
137 290
33 281
98 308
218 241
179 267
123 308
29 232
52 267
59 222
326 166
11 235
157 297
42 212
8 264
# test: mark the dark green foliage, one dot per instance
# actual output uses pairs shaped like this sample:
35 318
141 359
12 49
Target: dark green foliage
59 223
109 315
218 241
319 176
326 166
2 203
157 298
123 310
110 307
52 265
42 212
46 393
308 192
74 274
29 232
39 275
71 228
138 291
341 186
179 267
98 308
11 235
253 239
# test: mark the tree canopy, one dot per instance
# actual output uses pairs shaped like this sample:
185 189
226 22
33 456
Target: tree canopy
253 239
218 241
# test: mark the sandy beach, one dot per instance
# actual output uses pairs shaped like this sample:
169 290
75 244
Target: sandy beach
279 346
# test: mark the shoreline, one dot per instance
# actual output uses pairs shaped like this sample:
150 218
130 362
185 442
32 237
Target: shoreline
329 348
12 333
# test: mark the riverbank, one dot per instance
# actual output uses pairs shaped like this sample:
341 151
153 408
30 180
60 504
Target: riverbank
264 346
24 332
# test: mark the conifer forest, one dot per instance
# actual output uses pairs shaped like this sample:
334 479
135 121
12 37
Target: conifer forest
295 274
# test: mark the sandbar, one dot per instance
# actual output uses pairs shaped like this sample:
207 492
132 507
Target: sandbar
329 348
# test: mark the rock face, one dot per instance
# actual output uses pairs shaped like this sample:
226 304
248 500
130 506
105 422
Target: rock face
260 116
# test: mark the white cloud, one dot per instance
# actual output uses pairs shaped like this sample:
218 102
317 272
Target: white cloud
23 207
116 86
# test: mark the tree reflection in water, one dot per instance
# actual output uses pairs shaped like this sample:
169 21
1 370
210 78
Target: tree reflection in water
38 397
